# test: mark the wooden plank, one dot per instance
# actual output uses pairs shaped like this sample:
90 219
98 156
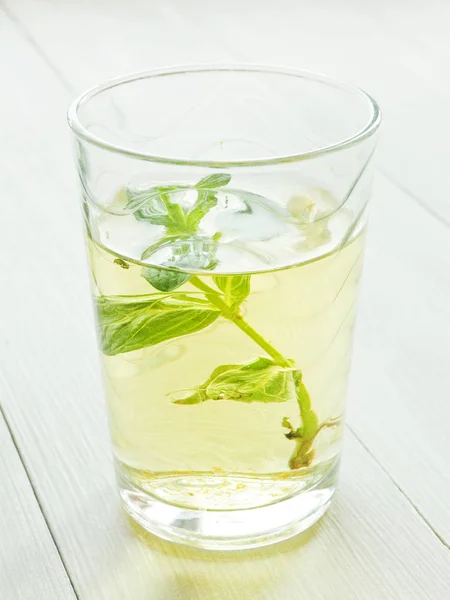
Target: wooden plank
401 380
30 566
373 544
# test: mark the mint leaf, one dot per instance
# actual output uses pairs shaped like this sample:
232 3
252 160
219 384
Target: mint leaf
176 216
137 199
235 287
126 324
164 280
156 207
200 395
205 201
160 210
212 182
258 381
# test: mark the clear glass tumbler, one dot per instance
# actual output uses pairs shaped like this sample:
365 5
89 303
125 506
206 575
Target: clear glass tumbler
225 211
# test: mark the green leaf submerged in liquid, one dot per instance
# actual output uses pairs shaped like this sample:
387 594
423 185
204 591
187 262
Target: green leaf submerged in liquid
164 280
129 324
236 288
260 380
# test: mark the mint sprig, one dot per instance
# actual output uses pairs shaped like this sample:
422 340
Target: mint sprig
128 324
156 206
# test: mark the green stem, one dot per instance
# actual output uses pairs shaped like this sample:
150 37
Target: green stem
262 343
303 453
240 322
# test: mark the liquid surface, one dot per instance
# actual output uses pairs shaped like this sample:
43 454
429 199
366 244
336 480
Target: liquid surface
227 391
242 232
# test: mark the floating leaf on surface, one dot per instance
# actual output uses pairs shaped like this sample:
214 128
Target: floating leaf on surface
212 182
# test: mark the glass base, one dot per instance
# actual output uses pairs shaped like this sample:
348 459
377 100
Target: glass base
229 529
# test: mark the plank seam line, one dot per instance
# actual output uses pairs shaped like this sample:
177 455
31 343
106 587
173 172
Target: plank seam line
36 496
392 180
402 492
32 41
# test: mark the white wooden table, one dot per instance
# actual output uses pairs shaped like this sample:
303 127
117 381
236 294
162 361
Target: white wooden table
62 533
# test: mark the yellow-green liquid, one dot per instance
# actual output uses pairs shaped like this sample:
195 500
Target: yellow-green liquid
224 454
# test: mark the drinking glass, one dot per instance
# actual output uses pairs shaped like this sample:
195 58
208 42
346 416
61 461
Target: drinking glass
225 211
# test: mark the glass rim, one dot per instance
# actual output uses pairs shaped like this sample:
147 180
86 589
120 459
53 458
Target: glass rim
81 132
